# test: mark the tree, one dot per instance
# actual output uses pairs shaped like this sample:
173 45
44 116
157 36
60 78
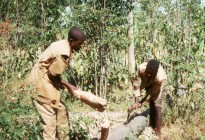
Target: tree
131 56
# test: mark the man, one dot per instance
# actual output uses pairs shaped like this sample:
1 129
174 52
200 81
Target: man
151 77
46 81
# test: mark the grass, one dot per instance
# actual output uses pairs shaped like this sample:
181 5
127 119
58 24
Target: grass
181 130
16 105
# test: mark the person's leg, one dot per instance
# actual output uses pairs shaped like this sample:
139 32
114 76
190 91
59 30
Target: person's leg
152 122
48 116
157 95
105 125
105 130
62 122
155 117
104 133
158 120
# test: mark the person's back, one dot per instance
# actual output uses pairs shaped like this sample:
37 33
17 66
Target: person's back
159 78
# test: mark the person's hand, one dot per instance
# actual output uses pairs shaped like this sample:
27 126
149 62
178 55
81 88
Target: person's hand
70 87
130 109
72 90
73 93
134 106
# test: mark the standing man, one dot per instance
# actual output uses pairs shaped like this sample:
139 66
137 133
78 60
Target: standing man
46 81
151 77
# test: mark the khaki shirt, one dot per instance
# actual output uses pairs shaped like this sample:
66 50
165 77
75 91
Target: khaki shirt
51 60
142 81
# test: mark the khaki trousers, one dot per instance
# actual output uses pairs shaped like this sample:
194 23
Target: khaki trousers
55 121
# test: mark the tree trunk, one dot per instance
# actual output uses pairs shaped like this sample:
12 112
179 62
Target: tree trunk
131 57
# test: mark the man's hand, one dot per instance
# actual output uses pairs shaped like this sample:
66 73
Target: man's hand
70 87
134 106
130 109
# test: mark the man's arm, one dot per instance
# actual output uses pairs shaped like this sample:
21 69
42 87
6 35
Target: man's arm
70 87
56 80
136 87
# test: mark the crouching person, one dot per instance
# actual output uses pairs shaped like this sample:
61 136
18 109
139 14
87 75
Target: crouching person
151 77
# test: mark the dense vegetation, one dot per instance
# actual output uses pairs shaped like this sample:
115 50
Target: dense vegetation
173 32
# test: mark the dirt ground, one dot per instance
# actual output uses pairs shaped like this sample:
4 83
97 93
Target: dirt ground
179 130
115 118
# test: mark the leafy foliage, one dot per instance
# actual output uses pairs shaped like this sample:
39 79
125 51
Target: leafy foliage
78 130
173 32
18 120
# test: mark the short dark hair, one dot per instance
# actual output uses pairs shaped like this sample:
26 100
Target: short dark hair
153 66
76 34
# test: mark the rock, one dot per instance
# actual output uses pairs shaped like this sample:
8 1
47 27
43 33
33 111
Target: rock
135 126
118 131
99 120
182 90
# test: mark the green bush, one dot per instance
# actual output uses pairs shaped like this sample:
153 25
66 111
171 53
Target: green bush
17 120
